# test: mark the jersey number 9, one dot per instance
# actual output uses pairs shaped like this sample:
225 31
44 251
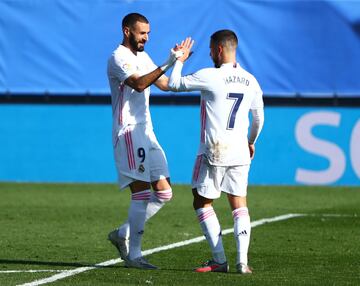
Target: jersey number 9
141 154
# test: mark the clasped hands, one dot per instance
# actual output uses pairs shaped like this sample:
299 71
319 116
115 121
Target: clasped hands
183 50
180 52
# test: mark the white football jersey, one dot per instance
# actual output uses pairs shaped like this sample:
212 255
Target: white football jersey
227 95
129 106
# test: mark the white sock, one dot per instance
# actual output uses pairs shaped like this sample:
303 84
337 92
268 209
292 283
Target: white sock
156 202
242 229
211 228
137 214
124 230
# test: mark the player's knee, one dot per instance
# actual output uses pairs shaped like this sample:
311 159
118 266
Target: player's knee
200 201
164 195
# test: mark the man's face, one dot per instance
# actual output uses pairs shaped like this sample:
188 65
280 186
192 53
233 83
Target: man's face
214 54
138 36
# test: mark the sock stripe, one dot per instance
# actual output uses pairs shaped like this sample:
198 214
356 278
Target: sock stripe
142 196
240 212
163 194
205 215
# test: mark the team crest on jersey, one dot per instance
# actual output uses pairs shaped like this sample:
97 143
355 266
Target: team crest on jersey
126 66
141 168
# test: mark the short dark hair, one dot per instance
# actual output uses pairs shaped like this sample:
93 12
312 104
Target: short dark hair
226 38
130 19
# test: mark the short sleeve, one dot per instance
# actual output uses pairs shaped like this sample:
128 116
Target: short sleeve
121 66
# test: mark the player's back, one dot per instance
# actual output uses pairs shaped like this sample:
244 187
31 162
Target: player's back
229 93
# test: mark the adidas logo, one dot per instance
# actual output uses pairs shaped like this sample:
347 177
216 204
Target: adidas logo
242 233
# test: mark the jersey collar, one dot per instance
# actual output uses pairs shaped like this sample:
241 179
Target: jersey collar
234 65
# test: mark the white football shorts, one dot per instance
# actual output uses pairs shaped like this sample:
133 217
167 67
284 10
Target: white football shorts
210 180
139 156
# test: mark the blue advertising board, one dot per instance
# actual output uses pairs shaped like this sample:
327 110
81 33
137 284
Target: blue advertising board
72 143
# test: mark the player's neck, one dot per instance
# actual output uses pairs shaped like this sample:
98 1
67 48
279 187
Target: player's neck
228 58
127 45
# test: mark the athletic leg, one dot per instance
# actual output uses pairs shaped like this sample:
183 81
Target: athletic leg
211 228
160 178
160 181
242 230
131 157
140 195
161 195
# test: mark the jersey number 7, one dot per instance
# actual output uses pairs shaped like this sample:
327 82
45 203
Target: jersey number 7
237 97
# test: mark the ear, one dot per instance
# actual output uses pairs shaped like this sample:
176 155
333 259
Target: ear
220 49
126 31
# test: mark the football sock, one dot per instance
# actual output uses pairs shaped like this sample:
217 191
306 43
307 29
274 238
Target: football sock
137 214
124 230
156 202
242 229
211 228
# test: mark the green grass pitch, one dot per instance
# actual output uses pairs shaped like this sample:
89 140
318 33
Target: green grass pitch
64 226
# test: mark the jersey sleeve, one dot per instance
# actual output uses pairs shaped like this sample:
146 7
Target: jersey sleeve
122 67
196 81
257 102
257 123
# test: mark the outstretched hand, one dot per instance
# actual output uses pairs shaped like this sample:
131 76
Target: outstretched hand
185 47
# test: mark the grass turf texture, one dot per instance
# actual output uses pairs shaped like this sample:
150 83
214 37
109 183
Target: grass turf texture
64 226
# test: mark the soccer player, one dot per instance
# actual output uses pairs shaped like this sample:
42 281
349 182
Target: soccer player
140 160
228 93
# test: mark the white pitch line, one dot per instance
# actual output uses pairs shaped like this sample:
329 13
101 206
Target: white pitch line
333 215
162 248
224 232
31 271
68 273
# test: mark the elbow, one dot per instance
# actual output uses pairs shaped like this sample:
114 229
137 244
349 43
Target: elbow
164 88
140 85
139 88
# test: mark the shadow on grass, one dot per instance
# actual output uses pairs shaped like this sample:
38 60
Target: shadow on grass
84 264
53 263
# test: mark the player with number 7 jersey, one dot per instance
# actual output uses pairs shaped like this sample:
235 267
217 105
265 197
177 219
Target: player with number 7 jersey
228 93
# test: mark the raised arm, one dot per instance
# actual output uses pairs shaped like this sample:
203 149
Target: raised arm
139 83
162 83
174 82
184 50
185 47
